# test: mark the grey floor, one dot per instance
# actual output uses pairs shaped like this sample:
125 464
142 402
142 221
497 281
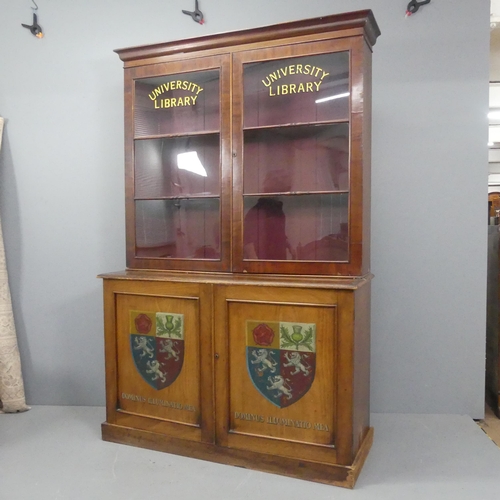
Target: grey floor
56 453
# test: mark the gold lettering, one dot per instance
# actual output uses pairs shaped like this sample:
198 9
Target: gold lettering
280 421
321 427
169 404
133 397
171 102
302 425
292 88
248 416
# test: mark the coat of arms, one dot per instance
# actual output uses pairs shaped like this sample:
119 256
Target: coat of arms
281 359
157 345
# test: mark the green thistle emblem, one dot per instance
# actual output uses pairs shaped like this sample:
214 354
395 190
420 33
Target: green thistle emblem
297 338
168 326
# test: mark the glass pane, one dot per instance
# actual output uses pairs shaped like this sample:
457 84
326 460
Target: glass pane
177 166
177 104
297 90
178 228
299 159
296 227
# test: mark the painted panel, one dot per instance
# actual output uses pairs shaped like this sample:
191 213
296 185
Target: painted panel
281 371
158 357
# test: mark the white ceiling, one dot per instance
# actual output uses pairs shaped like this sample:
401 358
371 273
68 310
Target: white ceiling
495 41
495 9
495 55
494 129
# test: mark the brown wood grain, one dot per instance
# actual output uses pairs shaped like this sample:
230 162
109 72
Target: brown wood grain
185 406
175 70
361 22
218 408
246 303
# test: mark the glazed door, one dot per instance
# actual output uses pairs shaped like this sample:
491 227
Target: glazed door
277 371
297 168
161 334
178 174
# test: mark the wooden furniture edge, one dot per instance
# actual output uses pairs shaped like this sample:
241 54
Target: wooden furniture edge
359 19
336 475
361 456
305 281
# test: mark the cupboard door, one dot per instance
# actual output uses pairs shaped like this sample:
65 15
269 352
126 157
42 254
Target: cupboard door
178 165
299 169
276 376
161 339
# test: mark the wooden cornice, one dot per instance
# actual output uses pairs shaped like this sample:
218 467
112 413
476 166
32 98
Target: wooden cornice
362 20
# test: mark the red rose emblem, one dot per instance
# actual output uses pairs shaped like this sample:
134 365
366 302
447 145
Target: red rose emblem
263 334
143 323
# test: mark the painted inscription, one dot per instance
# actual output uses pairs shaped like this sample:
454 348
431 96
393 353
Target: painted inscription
158 402
285 422
275 87
173 102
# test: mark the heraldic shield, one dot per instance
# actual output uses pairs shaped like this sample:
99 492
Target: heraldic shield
157 345
281 359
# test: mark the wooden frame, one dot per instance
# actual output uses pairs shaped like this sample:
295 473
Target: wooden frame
239 358
212 438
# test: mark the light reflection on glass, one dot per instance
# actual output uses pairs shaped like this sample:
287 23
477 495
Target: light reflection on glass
332 97
189 161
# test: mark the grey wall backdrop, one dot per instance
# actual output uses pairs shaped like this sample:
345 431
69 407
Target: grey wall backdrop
62 190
